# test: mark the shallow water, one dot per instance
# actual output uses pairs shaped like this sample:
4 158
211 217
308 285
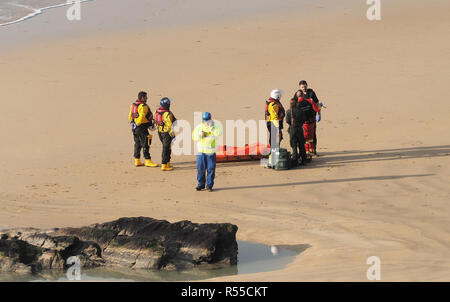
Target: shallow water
15 11
252 258
33 26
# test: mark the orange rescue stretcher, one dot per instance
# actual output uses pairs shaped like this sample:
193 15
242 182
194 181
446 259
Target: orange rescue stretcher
249 152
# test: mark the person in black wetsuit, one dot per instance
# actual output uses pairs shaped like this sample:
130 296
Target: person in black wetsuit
295 118
308 93
309 109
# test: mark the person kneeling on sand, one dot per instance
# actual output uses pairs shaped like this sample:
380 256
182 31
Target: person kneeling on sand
164 119
206 135
141 119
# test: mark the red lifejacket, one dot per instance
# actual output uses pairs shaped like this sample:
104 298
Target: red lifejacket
134 110
159 116
281 113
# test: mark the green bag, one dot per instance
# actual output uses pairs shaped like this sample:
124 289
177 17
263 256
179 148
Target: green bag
284 159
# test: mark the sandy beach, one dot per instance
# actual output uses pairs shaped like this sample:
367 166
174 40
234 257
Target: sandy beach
379 188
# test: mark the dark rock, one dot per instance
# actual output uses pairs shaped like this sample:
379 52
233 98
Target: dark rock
16 254
138 243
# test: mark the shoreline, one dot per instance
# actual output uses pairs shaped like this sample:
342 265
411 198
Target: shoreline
143 15
37 12
53 26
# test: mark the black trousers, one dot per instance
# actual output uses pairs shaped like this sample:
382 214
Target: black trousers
297 141
166 141
140 135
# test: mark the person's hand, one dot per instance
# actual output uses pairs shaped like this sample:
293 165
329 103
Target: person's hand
203 133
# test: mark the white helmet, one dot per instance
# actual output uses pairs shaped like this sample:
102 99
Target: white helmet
276 94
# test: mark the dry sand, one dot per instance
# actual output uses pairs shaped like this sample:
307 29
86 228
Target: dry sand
380 186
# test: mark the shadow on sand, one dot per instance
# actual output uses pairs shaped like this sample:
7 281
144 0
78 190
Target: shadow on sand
333 159
340 158
325 181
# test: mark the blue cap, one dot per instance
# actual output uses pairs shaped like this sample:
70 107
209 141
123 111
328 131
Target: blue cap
206 116
165 102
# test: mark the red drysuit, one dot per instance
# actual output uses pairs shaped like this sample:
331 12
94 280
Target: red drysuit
309 127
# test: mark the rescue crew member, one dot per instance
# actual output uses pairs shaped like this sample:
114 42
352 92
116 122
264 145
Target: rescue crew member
309 108
295 118
141 119
308 93
206 135
274 116
164 120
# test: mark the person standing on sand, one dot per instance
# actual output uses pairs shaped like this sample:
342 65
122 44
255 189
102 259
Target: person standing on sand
274 116
206 135
141 119
309 109
308 93
164 120
295 119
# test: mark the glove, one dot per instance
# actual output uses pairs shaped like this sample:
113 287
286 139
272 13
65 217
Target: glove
133 126
318 118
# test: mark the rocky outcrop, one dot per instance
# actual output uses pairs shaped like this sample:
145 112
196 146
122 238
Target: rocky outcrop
138 243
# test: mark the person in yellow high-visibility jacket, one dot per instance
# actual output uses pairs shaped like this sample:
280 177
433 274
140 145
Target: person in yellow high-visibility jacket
206 135
274 116
141 119
164 119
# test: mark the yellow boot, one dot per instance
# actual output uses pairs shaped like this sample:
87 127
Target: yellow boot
137 162
166 167
148 163
169 165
